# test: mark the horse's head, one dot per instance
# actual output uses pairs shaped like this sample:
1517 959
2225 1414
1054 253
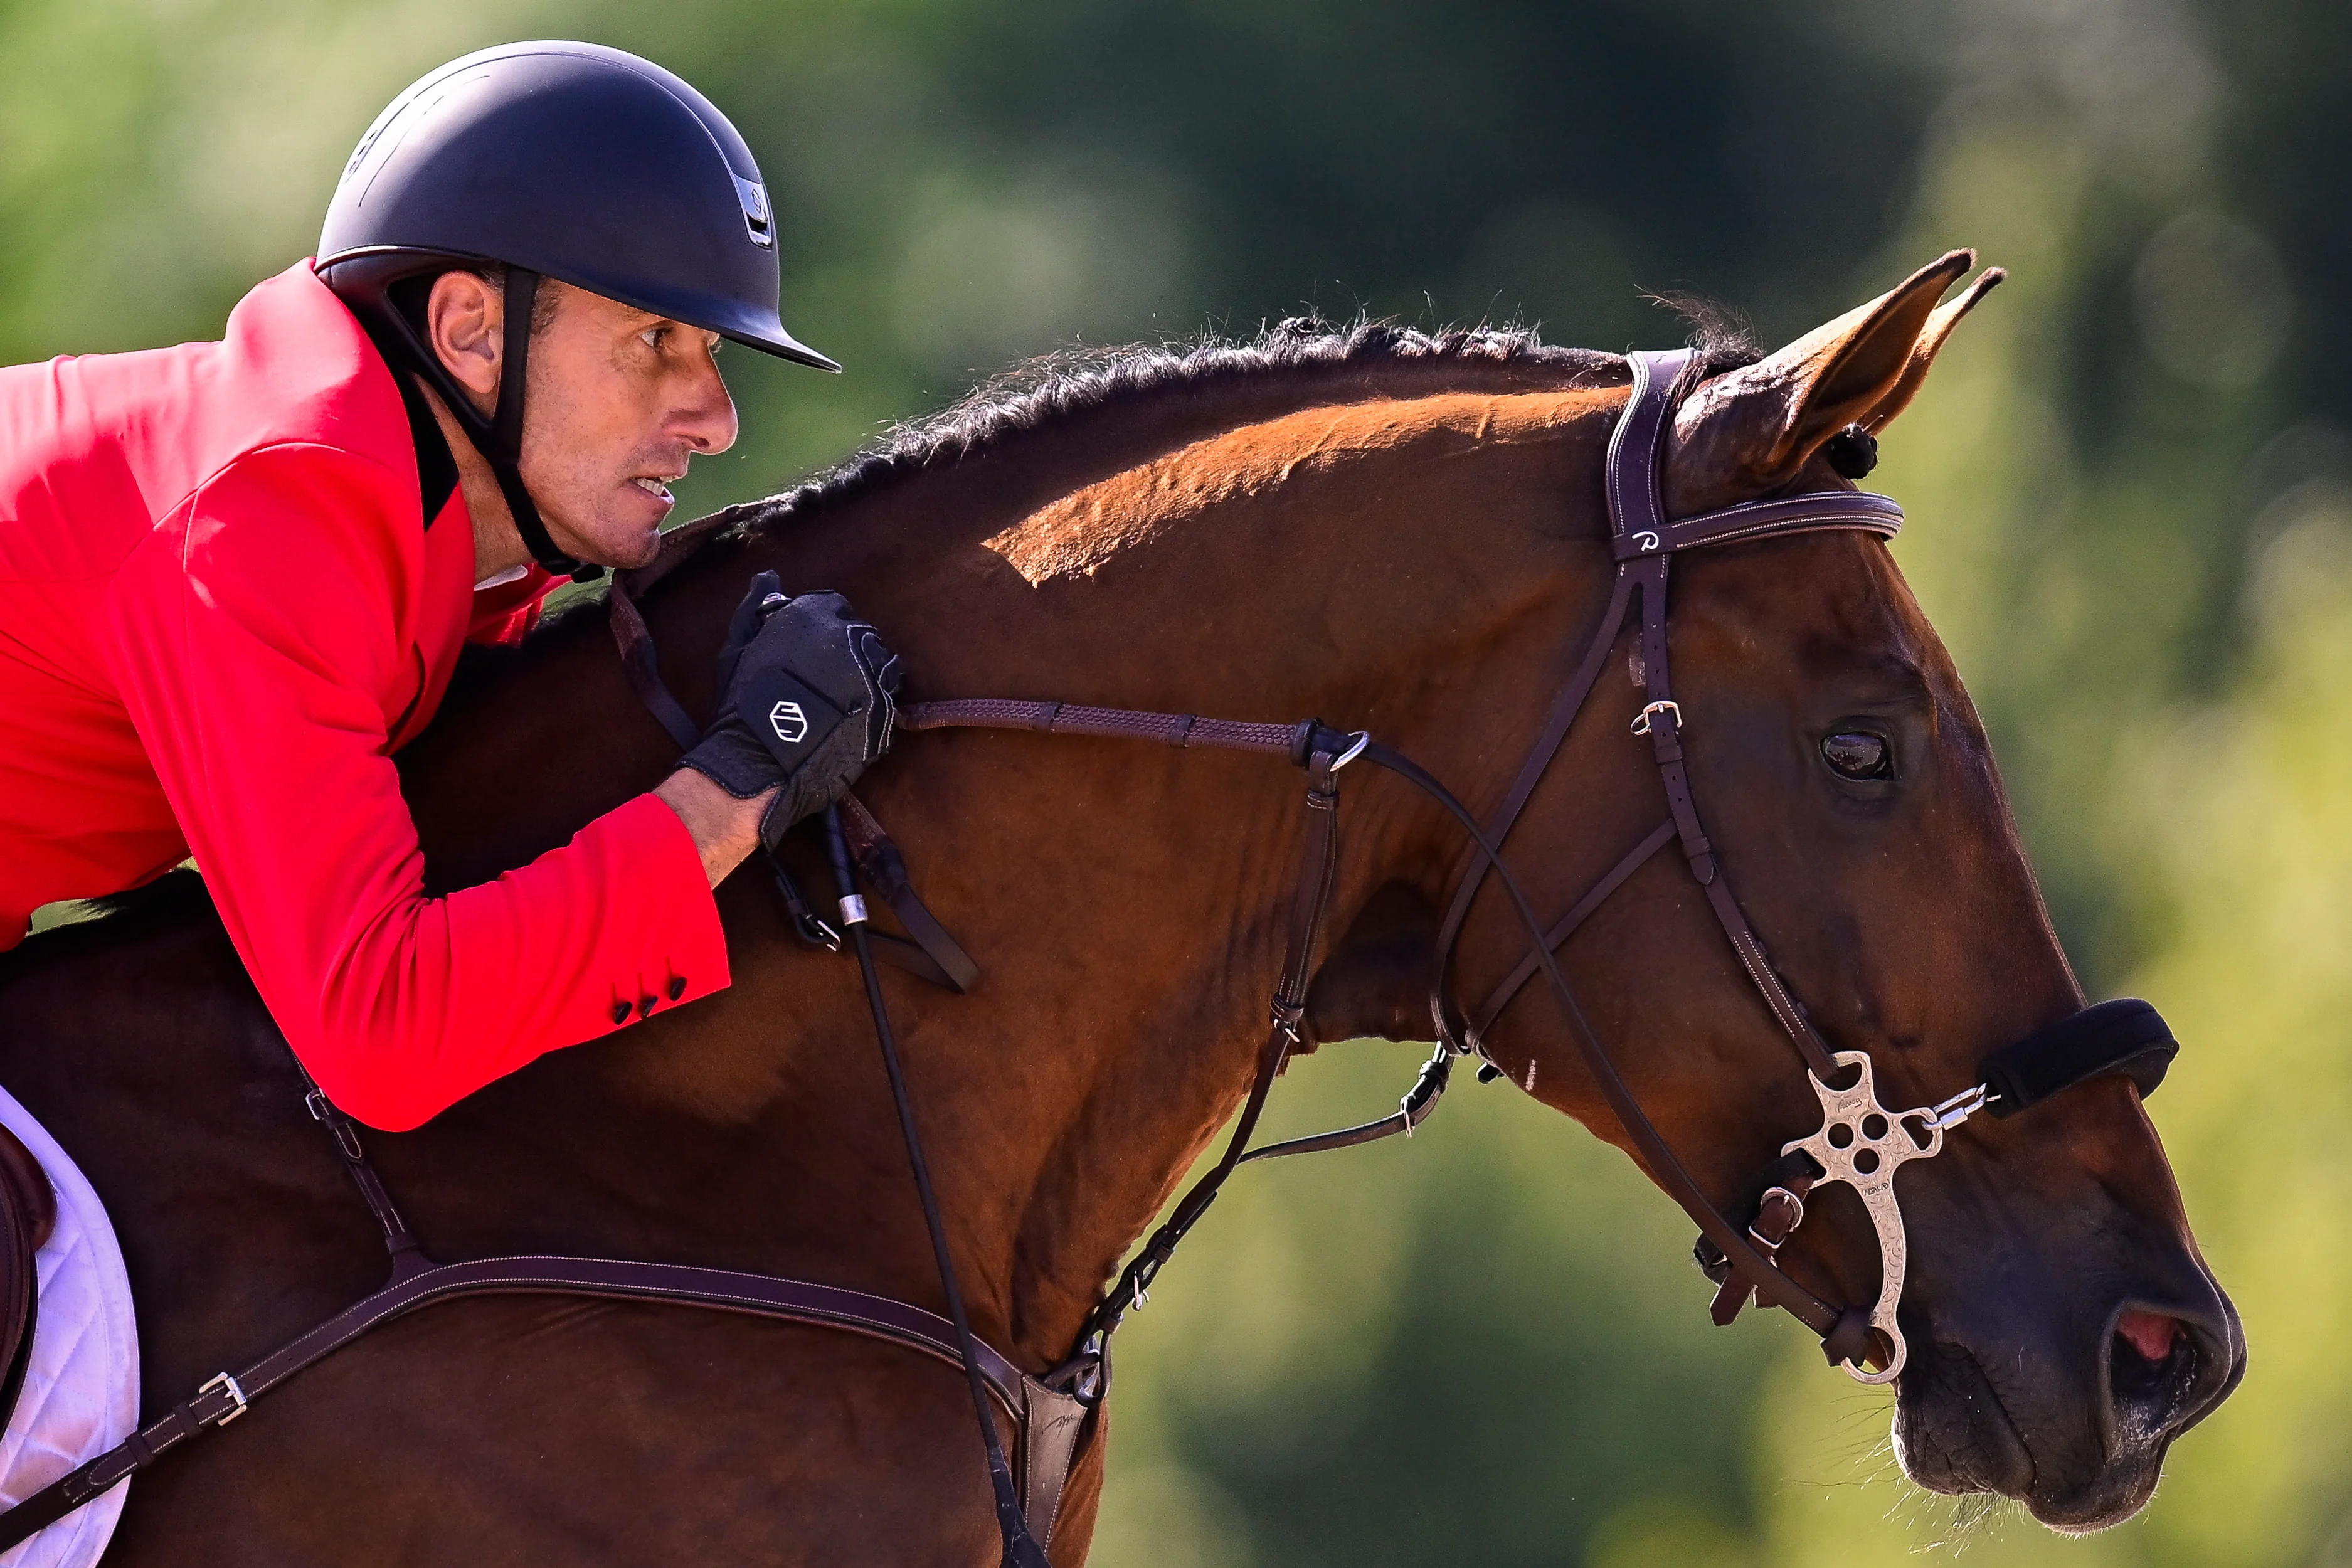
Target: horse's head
2063 1328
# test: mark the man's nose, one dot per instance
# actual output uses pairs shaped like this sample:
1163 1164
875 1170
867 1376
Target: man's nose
707 420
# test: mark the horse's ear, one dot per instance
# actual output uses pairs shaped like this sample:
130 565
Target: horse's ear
1940 322
1747 433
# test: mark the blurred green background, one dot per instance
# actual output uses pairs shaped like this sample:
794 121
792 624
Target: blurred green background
2131 492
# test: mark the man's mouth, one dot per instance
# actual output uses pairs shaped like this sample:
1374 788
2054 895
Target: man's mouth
653 487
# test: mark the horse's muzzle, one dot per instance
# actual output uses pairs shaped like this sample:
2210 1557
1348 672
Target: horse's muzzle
2076 1428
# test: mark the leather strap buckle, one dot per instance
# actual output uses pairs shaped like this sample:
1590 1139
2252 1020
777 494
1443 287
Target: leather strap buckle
1771 1245
1641 720
222 1382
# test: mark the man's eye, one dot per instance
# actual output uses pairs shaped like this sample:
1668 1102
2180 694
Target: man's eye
654 337
1858 754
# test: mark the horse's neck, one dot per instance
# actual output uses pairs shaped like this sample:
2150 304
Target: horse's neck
1125 902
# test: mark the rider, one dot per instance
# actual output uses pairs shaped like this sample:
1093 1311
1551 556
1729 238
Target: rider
235 577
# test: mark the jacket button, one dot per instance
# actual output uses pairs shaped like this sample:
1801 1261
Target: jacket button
677 986
620 1012
644 1007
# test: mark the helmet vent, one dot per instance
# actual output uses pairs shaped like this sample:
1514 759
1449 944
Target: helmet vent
756 215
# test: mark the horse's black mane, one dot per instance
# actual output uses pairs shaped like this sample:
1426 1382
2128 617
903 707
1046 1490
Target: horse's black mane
1055 386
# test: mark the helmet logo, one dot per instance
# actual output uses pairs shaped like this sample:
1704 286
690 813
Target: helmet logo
756 215
789 722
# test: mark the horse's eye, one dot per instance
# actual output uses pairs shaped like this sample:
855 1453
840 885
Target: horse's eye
1858 754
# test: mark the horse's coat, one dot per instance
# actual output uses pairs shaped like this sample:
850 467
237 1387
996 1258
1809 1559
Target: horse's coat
1081 532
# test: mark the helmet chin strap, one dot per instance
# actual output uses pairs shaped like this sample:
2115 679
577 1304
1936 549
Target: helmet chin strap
499 440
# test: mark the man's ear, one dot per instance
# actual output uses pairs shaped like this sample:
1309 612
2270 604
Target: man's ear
465 325
1747 433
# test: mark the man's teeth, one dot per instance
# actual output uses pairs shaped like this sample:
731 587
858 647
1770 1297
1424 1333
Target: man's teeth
653 488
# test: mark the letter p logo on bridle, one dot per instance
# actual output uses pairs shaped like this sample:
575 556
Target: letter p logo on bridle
789 722
1645 539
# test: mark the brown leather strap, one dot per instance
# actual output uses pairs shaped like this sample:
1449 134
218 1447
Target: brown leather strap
1778 1215
1410 1113
1642 539
225 1397
642 667
1596 895
1844 510
1113 723
879 859
1054 1427
1022 1548
407 1256
1663 724
1557 724
1637 508
1086 1366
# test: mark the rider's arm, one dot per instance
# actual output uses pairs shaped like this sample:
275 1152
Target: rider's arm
254 641
725 830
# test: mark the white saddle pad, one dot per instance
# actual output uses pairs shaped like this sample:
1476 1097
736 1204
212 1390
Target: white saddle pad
81 1385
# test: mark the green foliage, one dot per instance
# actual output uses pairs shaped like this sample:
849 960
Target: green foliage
2132 519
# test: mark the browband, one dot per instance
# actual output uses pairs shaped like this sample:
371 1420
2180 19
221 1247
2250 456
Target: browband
1856 509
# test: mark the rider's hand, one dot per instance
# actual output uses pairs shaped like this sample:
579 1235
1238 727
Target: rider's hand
808 702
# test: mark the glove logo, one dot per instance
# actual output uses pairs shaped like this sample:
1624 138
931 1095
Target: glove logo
790 723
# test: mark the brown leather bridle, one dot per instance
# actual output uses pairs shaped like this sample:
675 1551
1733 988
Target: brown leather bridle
1645 543
1859 1141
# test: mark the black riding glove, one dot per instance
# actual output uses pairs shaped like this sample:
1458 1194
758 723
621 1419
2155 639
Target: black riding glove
809 698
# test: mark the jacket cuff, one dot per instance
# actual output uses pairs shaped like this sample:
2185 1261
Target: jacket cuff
682 952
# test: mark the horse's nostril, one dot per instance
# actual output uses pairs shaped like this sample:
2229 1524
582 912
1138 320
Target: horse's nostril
2152 1368
2150 1334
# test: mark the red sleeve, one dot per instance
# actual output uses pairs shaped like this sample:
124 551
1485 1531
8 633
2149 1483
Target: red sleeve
254 641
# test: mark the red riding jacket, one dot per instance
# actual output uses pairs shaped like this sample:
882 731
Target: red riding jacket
221 612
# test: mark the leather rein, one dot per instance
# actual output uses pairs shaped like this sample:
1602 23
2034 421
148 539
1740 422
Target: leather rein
1860 1142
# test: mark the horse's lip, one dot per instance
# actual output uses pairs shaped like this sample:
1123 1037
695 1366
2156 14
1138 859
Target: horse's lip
1993 1456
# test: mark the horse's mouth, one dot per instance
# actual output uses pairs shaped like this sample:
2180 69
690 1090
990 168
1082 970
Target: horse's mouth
1962 1426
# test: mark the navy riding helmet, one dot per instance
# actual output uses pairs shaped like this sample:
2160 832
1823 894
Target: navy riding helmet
558 160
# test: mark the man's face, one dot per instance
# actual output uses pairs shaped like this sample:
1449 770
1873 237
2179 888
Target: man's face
619 398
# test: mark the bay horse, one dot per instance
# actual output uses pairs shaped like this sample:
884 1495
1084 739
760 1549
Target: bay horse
1394 531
